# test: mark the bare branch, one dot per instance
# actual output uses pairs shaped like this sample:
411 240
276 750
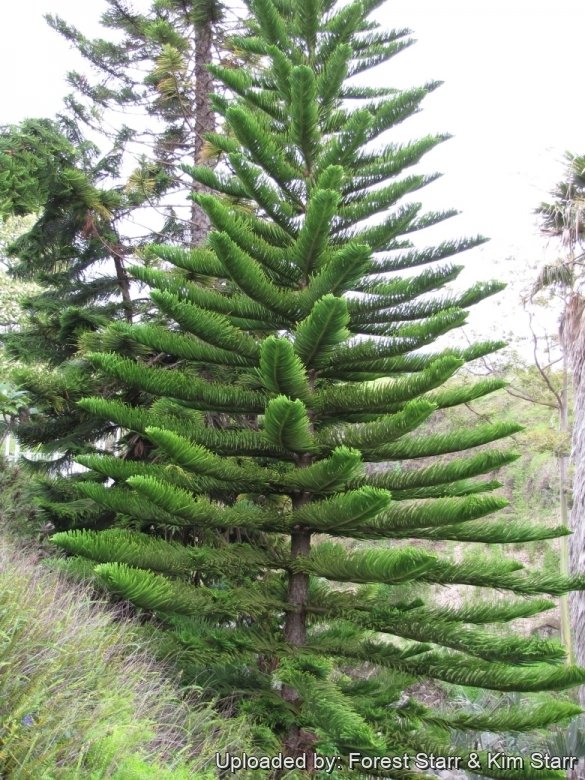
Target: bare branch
530 399
540 369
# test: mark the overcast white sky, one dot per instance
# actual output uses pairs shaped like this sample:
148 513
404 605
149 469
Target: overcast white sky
512 98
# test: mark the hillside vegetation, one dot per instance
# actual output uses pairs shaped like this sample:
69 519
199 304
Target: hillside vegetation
81 697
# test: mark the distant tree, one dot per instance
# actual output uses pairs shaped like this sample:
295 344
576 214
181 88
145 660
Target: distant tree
14 404
543 378
12 291
301 623
64 255
564 218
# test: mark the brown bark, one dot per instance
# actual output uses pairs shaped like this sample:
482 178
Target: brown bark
298 741
295 630
90 228
203 120
124 283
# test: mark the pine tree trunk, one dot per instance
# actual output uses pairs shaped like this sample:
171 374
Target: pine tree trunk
298 741
295 628
295 631
204 121
124 283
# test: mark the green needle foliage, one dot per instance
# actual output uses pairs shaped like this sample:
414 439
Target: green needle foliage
305 631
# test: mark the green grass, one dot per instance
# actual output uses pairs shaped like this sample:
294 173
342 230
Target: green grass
81 697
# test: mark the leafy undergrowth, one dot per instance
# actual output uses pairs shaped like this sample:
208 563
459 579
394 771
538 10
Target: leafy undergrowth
82 697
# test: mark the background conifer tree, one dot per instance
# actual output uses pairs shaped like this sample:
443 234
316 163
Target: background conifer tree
92 207
303 619
66 251
154 64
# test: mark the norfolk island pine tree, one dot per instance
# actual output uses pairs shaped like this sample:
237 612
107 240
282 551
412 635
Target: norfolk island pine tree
314 641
